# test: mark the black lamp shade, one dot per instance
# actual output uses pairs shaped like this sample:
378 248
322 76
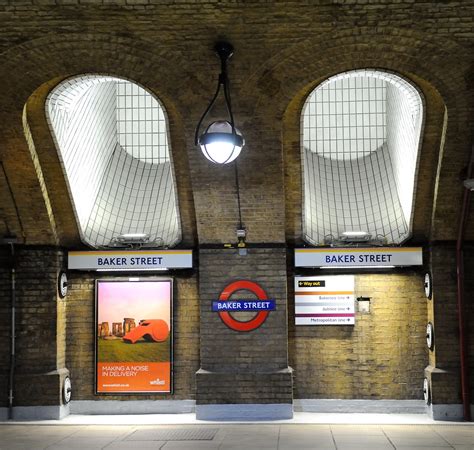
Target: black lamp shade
220 143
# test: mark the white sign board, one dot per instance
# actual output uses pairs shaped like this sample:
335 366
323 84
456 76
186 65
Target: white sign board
325 300
358 257
130 260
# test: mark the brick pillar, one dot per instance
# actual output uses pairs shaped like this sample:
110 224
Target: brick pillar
443 371
41 335
243 374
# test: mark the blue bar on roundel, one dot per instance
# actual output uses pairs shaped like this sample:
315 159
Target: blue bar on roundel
243 305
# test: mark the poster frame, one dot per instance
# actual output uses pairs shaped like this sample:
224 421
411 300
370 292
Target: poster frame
96 315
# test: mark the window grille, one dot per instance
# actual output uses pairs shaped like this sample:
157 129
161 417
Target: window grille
112 140
360 137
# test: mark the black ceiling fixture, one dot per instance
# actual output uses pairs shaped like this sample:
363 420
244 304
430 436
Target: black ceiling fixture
221 142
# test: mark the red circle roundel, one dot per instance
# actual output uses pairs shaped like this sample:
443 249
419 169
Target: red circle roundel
237 325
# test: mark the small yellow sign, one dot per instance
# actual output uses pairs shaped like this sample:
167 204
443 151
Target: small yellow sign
319 283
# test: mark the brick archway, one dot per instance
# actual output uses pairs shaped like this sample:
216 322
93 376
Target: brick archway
293 73
32 165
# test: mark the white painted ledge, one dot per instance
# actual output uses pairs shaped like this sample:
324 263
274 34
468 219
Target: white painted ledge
360 406
112 407
245 412
36 412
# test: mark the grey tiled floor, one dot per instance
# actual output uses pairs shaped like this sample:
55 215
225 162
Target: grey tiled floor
237 436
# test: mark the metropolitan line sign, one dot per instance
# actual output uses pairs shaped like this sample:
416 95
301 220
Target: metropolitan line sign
359 257
131 260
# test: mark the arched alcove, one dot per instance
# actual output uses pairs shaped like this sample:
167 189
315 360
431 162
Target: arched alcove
112 140
361 133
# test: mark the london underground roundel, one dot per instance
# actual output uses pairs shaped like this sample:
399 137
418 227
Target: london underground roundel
263 305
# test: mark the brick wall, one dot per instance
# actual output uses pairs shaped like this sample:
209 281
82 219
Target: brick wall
39 328
444 369
54 333
80 337
274 63
243 367
283 50
382 357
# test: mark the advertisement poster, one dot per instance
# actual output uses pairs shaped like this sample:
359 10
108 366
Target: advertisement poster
325 300
133 336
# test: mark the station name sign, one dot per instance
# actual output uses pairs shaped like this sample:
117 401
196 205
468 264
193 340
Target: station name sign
359 257
225 305
130 260
243 305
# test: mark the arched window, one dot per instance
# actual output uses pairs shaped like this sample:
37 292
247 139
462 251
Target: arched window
360 137
112 139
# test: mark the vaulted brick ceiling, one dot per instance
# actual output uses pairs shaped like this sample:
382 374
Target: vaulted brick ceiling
282 51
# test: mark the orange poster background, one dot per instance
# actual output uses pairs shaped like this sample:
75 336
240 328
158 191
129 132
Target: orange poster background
141 377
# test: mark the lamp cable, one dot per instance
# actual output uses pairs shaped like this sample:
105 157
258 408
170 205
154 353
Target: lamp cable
237 186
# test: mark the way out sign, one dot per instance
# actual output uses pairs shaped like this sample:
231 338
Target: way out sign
327 300
225 305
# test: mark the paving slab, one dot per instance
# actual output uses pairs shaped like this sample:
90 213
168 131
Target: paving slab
238 436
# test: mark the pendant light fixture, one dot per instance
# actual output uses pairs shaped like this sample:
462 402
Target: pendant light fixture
221 142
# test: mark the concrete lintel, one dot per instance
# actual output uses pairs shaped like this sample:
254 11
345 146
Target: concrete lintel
245 412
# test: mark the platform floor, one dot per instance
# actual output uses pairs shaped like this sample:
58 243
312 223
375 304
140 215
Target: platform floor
183 431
